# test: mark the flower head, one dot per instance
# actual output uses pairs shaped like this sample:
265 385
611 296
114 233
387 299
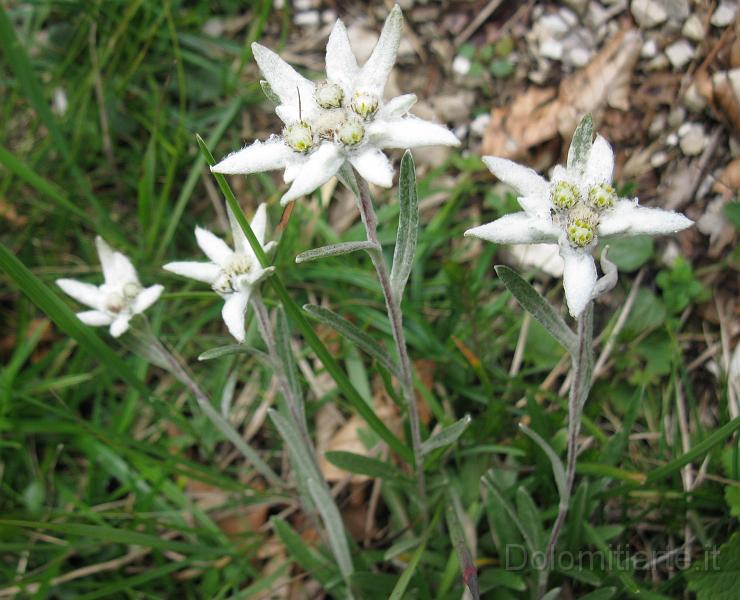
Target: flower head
340 119
574 210
232 274
118 299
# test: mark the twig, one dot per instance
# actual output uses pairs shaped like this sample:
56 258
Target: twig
477 22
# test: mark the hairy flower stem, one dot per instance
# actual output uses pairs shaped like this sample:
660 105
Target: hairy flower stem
582 364
294 404
395 316
153 350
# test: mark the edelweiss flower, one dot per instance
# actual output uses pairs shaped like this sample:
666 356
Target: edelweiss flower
576 208
118 299
233 274
342 118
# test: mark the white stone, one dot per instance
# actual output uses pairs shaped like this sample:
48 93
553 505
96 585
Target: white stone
724 14
679 53
659 159
649 48
693 140
307 19
676 117
461 65
732 77
672 139
693 100
648 13
578 57
552 49
480 124
693 28
554 24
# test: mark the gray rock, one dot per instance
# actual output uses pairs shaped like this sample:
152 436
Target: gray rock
692 139
724 14
693 100
679 53
648 13
649 48
693 28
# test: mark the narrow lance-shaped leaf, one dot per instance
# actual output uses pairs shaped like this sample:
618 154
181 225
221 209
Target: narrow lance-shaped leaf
335 250
529 516
269 93
358 337
230 349
511 513
365 465
464 556
558 470
580 146
533 302
285 353
334 526
447 436
408 226
308 558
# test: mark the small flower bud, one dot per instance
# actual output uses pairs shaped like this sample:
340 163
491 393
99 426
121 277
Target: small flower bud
299 136
328 95
365 104
350 131
114 302
564 195
602 196
131 290
222 285
581 232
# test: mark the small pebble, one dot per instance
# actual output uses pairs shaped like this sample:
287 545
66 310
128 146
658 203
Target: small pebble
307 19
648 13
461 65
680 53
551 49
659 159
693 29
672 139
649 49
724 14
578 57
676 117
692 139
480 124
693 100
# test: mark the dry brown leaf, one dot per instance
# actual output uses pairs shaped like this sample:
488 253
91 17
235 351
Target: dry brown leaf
729 180
726 101
347 439
538 114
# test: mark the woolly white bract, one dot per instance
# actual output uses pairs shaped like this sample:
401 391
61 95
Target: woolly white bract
342 118
118 299
576 208
232 274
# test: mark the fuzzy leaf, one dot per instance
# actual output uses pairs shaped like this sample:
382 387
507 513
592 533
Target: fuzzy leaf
334 526
558 470
447 436
365 465
533 302
359 338
269 93
309 559
580 146
230 349
335 250
408 226
530 518
285 354
553 594
464 556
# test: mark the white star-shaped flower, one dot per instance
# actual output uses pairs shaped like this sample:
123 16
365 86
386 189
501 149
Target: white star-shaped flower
573 210
118 299
232 274
342 118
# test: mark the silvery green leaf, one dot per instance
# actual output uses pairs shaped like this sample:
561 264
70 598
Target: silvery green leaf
365 465
510 512
533 302
269 93
607 281
553 594
334 526
285 353
335 250
447 436
359 338
227 395
580 146
530 518
558 470
402 546
236 349
408 226
303 462
454 514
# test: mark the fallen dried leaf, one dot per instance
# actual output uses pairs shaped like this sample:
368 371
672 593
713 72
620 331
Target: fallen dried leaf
539 114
